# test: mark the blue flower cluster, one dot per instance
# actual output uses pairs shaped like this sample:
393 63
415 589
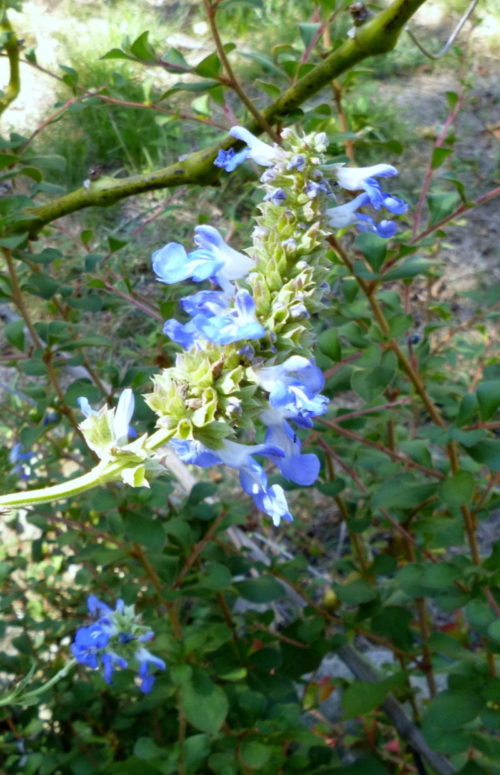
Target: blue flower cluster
348 178
284 276
293 389
113 639
221 317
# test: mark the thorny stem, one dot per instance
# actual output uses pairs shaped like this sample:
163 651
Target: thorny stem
211 9
378 36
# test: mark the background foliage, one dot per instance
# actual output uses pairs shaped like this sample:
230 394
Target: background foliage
394 551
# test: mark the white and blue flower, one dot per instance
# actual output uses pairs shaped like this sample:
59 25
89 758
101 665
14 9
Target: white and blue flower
293 388
213 260
348 215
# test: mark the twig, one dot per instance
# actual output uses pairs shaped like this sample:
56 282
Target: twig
232 81
430 169
444 50
455 214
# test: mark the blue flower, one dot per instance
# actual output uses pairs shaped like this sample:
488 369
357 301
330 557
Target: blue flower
18 459
214 260
215 321
258 151
347 215
146 660
185 334
207 302
299 468
231 159
363 178
297 162
110 660
293 389
237 324
277 196
111 641
253 478
89 643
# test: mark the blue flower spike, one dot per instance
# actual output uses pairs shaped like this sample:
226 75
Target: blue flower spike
111 642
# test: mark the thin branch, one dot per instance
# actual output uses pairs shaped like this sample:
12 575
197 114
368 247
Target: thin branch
456 213
444 50
211 9
450 119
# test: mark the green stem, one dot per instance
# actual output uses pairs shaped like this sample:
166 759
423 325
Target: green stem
100 474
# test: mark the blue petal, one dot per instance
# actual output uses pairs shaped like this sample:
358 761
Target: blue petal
208 302
183 334
230 159
194 452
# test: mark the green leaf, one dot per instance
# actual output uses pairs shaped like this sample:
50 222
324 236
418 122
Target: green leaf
453 708
263 589
197 86
401 492
41 284
486 452
488 396
46 256
146 531
356 592
13 242
146 748
467 409
328 343
115 244
196 749
52 162
458 489
373 247
204 703
14 333
117 53
266 63
142 48
210 67
308 32
173 61
410 268
361 697
451 98
6 159
494 631
441 205
439 155
370 383
255 754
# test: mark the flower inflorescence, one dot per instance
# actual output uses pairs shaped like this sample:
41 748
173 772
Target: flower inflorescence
245 371
113 640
